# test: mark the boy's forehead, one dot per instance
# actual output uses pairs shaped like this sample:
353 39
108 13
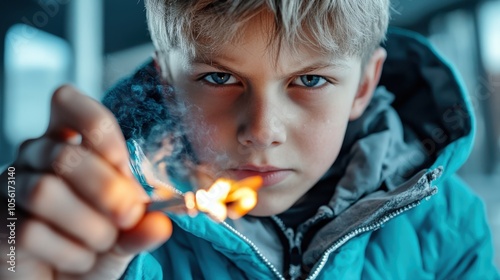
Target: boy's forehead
258 48
256 41
308 62
235 54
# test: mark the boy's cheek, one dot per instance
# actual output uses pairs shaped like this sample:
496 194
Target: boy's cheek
210 143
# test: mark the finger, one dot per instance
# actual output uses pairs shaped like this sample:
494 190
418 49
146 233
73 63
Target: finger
107 266
31 268
52 248
53 201
153 230
42 153
90 176
72 112
104 188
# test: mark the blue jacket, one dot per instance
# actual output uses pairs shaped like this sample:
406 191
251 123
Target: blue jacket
397 211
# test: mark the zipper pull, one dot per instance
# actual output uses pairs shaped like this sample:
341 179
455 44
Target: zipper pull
295 257
434 174
295 263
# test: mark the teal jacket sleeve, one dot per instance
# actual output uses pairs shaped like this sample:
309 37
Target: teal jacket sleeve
182 257
467 250
172 260
143 267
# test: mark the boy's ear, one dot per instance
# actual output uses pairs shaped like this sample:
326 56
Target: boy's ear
161 66
368 83
157 62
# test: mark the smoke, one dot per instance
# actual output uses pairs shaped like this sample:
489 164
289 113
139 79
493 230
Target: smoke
149 114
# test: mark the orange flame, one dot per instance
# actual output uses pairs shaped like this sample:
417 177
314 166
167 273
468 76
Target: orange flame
226 197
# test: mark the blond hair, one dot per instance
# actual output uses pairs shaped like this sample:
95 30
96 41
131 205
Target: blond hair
337 27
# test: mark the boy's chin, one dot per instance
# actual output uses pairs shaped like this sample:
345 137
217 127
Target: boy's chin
268 208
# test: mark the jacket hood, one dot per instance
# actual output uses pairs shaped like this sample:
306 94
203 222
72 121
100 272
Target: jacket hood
418 125
420 119
430 99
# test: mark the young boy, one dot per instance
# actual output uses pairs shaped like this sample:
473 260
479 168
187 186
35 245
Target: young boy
351 156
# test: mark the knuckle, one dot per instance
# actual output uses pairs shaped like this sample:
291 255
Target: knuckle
29 228
99 130
119 201
66 158
58 97
40 185
36 190
120 214
78 262
93 124
103 238
62 153
113 194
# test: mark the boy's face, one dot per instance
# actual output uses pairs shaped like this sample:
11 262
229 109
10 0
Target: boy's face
248 115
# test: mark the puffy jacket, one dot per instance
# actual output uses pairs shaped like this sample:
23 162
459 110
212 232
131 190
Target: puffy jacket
398 210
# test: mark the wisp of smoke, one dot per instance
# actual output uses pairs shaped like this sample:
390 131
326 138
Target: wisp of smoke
149 115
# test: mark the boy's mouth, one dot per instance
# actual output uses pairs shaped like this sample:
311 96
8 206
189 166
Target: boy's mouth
271 175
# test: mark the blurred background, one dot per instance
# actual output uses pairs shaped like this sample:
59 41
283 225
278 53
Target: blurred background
93 43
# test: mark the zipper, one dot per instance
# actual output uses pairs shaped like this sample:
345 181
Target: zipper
135 165
256 250
371 227
293 239
280 223
429 177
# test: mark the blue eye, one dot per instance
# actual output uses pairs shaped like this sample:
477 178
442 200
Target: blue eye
220 78
310 81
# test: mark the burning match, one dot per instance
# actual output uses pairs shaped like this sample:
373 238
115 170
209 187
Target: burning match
224 198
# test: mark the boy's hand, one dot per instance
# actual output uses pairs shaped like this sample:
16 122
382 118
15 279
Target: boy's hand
81 213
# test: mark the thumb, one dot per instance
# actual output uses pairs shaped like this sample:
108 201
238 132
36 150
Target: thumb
153 230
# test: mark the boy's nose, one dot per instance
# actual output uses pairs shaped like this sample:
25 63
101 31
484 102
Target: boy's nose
261 125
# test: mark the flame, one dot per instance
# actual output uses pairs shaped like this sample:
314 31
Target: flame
190 200
227 197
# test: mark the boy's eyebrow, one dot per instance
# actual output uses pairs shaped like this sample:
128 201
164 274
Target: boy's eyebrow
217 65
307 69
321 65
